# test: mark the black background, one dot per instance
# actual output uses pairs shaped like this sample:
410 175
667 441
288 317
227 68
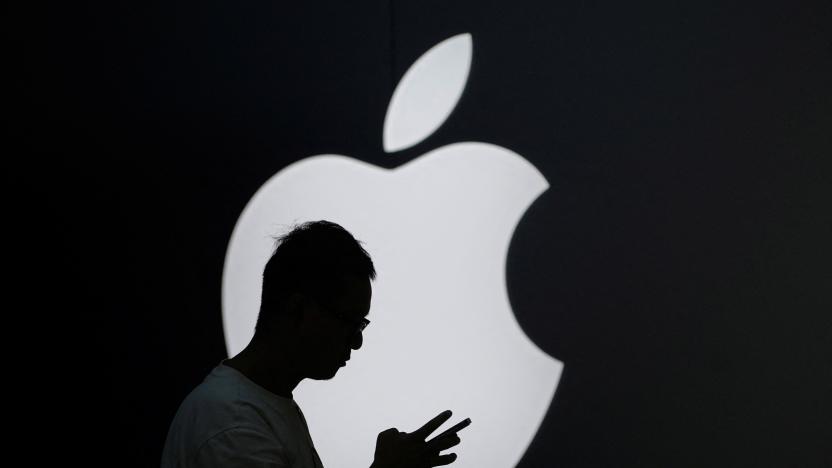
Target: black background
679 264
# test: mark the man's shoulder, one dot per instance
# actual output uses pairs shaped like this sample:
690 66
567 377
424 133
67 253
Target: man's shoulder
219 394
228 414
225 399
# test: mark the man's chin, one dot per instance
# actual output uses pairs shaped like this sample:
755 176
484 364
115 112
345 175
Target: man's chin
325 374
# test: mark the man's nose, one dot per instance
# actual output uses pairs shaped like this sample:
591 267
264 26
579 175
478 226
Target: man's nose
357 340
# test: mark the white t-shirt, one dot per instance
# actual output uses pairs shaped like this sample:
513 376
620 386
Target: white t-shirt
231 422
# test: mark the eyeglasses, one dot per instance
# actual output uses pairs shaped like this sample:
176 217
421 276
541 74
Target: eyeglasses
359 324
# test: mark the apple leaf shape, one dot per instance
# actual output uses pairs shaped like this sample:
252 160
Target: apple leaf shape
427 93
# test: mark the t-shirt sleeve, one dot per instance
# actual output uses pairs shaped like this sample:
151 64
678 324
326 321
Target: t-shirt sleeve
241 447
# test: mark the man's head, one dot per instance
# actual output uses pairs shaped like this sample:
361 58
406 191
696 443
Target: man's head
316 292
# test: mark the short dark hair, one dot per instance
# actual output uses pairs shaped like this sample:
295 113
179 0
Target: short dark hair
310 259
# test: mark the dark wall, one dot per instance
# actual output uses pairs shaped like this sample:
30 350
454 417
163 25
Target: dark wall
678 265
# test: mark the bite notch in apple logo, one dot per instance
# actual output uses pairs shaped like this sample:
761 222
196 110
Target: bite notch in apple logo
438 229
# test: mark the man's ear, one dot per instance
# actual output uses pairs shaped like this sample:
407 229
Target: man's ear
294 307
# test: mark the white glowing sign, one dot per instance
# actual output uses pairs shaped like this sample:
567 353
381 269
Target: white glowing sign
438 229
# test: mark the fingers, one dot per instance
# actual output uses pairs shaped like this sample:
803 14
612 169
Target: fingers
438 444
456 427
441 460
424 431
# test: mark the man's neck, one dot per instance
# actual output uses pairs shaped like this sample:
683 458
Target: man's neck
267 367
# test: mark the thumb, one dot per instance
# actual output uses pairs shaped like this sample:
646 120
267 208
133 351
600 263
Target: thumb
387 433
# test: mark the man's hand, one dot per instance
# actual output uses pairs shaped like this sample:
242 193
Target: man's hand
395 449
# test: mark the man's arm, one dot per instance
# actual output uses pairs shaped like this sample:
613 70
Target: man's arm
240 447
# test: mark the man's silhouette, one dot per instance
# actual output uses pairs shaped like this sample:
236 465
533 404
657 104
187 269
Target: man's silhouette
315 299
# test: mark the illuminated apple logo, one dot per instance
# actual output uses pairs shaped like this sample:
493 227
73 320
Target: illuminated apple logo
438 229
